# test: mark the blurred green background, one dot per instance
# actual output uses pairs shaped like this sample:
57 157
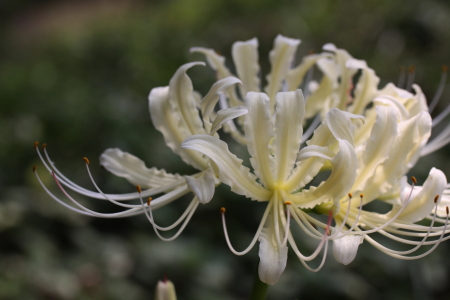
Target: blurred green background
76 75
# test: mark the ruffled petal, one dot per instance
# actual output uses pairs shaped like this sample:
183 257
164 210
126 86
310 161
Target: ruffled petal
245 57
125 165
341 179
366 88
378 145
259 133
411 136
281 58
166 120
422 202
231 170
290 110
225 115
203 186
345 248
296 75
210 100
337 125
217 63
182 99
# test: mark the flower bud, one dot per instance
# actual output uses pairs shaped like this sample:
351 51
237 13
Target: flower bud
165 290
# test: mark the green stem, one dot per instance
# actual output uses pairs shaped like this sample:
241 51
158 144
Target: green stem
259 291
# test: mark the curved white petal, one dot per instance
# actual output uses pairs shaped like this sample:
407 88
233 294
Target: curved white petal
366 88
412 134
340 124
231 170
345 248
203 186
225 115
210 100
166 120
125 165
341 179
290 110
315 151
259 133
230 127
422 202
337 125
378 145
281 58
296 75
245 57
272 256
182 99
217 63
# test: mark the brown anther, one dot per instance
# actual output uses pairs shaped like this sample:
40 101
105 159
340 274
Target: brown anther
138 187
222 210
44 145
446 208
350 195
402 69
413 179
149 199
36 144
34 168
288 203
311 51
412 69
361 195
445 69
436 199
86 160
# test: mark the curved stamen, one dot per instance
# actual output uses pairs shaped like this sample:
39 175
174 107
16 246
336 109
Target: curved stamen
361 196
258 231
324 240
288 223
307 134
437 242
401 77
150 218
439 90
411 75
50 166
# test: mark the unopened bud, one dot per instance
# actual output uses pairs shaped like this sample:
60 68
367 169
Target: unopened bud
165 290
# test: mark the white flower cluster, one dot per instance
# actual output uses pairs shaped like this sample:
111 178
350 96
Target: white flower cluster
367 138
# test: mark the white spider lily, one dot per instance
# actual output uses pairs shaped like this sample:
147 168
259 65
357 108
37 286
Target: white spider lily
282 170
175 114
370 158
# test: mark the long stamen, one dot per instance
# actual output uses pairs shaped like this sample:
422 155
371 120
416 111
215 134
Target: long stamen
255 238
151 219
436 243
88 210
338 230
411 75
288 223
307 134
103 194
389 222
49 165
401 77
439 90
324 240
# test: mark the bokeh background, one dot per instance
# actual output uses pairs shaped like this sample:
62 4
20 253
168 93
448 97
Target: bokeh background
76 75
